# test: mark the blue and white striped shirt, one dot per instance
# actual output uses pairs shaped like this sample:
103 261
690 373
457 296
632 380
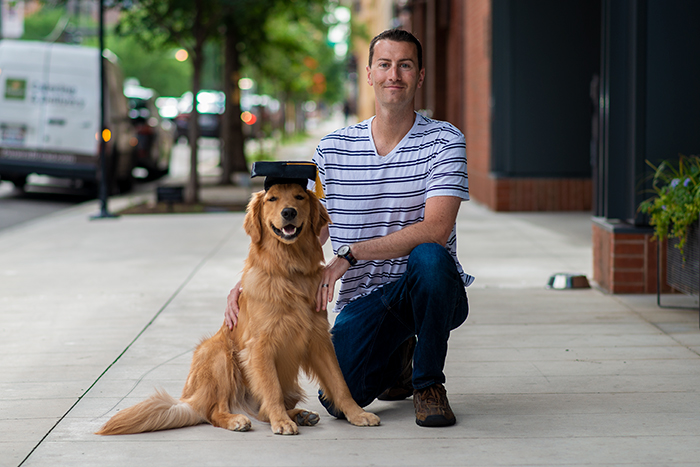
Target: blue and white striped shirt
369 196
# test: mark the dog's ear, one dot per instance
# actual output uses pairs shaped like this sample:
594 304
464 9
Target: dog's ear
253 223
319 215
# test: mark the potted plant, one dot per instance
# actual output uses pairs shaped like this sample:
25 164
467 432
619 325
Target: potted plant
675 205
673 211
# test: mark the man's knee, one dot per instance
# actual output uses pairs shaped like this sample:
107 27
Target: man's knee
430 258
434 275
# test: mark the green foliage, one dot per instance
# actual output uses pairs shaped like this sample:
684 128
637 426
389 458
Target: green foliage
155 69
163 24
296 62
283 45
39 25
675 205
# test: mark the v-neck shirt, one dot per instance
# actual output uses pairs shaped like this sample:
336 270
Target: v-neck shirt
369 196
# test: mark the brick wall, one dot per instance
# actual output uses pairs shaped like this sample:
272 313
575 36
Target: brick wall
454 69
624 261
476 17
541 194
376 16
500 193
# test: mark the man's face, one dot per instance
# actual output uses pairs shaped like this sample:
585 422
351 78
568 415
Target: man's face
394 73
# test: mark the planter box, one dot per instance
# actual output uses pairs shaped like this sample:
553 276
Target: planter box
683 271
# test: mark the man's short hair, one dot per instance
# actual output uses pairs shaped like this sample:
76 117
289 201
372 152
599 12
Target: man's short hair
397 35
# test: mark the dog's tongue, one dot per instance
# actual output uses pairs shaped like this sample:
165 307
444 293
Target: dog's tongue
289 230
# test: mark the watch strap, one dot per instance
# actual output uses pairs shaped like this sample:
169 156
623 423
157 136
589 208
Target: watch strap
348 256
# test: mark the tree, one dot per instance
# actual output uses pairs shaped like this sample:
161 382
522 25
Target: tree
157 69
39 26
248 36
188 24
242 21
233 154
248 29
296 62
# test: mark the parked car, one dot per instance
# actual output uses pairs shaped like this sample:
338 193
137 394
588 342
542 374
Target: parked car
210 105
50 114
154 135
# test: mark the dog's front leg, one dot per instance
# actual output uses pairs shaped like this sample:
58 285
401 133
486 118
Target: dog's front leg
265 385
324 364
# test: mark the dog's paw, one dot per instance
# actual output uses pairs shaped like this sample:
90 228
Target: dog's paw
307 418
239 423
284 427
364 419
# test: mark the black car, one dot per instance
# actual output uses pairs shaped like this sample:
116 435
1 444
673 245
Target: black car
154 140
210 104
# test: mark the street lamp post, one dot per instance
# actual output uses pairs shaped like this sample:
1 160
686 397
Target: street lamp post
103 192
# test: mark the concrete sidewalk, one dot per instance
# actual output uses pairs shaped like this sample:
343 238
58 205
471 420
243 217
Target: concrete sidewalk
95 314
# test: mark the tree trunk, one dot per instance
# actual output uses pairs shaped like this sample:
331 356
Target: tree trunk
192 188
300 118
290 119
232 155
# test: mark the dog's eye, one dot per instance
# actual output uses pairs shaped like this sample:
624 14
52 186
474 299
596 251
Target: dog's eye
272 198
300 197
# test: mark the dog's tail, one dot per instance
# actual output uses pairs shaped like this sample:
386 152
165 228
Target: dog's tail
159 412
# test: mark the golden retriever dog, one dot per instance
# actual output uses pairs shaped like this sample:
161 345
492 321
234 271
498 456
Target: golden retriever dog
255 367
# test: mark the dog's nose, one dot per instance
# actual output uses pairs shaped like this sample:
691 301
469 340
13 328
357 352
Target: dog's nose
289 213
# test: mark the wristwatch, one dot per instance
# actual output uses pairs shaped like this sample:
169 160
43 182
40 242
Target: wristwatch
345 253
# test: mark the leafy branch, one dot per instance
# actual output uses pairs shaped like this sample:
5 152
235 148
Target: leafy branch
675 203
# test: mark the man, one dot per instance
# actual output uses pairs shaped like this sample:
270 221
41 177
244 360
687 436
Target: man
393 186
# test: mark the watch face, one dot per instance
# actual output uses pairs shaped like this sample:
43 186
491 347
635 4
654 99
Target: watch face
343 250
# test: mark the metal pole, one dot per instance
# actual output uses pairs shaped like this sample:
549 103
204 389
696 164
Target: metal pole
104 212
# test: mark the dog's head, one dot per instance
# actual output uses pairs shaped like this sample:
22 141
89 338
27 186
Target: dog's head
285 212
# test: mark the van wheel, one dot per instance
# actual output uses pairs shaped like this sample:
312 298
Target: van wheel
92 188
155 171
18 181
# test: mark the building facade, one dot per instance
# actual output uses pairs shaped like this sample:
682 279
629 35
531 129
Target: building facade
561 104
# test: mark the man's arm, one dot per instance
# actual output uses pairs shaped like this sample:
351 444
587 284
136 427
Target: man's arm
438 220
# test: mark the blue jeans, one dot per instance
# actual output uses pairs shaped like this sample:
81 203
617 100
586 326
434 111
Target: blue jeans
428 301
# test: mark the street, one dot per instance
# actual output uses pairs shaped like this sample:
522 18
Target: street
17 206
45 195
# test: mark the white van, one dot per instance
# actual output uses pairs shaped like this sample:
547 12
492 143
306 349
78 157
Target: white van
50 114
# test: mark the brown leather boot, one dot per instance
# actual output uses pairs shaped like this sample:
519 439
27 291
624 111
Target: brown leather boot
432 407
403 387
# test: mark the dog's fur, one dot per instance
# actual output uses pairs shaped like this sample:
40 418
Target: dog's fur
255 367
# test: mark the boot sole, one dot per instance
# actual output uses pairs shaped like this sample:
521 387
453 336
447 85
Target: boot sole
436 421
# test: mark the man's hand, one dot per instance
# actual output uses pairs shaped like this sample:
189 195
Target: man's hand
436 227
333 271
231 313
